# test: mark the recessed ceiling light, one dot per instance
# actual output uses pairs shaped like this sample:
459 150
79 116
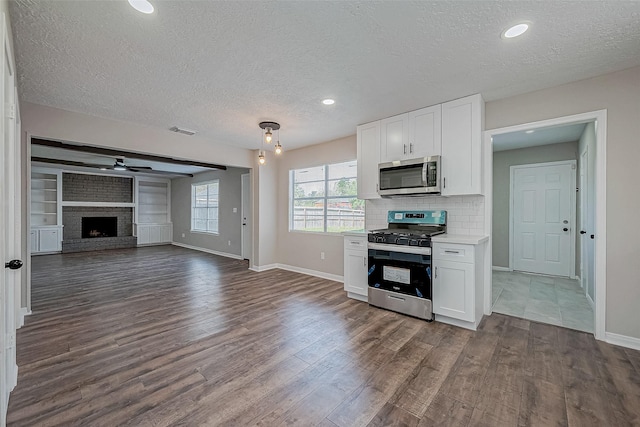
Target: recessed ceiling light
328 101
141 6
529 131
515 31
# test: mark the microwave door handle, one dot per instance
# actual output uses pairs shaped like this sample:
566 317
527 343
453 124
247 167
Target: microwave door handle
424 174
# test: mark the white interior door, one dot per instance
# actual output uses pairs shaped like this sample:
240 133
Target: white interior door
10 238
542 212
246 216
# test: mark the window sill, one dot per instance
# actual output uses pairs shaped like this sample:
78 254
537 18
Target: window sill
207 233
320 233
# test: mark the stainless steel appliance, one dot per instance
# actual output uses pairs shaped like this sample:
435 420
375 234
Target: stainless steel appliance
400 262
410 177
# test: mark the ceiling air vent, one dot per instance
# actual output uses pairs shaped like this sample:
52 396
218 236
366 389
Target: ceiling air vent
176 129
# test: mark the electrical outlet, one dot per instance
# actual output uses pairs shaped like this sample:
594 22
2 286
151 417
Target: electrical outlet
183 235
321 255
235 210
229 242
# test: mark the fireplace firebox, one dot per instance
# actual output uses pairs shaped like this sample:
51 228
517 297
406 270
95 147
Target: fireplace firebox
99 226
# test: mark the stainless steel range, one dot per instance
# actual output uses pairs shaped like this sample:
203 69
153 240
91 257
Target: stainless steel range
400 262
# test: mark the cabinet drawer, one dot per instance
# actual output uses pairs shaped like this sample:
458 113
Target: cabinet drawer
357 243
453 252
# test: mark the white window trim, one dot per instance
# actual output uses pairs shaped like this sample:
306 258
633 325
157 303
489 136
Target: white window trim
193 185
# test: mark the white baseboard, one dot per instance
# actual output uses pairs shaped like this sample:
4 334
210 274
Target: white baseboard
24 312
622 340
315 273
358 297
497 268
209 251
259 268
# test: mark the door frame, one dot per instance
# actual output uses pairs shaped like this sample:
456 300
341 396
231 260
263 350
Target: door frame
600 202
248 227
572 215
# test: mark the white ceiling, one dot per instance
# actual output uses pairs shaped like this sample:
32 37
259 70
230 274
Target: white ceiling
543 136
222 67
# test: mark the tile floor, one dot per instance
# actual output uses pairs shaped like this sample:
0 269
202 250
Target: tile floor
555 300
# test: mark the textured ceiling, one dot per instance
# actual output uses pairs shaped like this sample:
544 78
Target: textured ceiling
222 67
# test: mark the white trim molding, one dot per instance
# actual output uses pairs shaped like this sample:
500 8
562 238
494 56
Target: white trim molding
622 340
260 268
24 312
498 268
315 273
209 251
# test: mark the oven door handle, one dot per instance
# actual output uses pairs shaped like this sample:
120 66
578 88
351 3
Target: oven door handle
420 250
395 297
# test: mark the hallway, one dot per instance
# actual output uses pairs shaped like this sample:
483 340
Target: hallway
555 300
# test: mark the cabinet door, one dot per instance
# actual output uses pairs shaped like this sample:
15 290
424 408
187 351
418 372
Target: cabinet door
155 233
355 271
453 290
394 138
33 239
461 146
368 147
143 234
425 132
49 240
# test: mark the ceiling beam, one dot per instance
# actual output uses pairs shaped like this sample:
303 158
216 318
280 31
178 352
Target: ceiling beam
94 166
121 153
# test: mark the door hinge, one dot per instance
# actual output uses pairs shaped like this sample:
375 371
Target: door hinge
11 111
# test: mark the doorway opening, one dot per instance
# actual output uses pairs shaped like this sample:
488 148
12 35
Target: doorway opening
545 201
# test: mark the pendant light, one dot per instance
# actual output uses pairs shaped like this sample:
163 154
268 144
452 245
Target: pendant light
269 127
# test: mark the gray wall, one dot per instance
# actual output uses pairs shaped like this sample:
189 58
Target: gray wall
502 162
619 94
302 249
230 223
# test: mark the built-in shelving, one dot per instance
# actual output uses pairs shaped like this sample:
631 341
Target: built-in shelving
153 211
44 199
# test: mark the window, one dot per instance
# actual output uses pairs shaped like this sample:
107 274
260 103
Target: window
324 199
204 206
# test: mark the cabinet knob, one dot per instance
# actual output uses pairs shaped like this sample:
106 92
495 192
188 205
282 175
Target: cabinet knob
565 229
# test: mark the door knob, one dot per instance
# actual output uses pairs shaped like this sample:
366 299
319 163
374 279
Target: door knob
583 232
565 229
14 264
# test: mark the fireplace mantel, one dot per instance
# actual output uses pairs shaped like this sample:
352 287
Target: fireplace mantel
100 204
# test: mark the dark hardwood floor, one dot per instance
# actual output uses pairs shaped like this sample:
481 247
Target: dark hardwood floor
167 336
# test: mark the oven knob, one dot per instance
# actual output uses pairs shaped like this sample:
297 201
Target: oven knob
380 239
424 243
402 241
413 242
371 238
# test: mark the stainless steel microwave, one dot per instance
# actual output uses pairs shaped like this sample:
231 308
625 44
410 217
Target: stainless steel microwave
410 177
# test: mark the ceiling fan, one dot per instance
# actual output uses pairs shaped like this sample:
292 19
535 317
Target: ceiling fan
119 165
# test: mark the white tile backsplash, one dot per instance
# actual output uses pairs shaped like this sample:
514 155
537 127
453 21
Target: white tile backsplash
465 213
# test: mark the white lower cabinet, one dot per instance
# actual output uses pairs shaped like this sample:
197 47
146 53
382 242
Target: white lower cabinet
153 234
45 240
355 267
457 284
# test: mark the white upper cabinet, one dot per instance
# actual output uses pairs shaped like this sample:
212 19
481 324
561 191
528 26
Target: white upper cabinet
394 138
425 132
368 146
462 126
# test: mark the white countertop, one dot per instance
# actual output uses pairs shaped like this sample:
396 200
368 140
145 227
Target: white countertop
461 239
356 233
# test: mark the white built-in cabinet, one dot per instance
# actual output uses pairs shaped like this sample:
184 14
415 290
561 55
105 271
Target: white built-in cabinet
457 284
355 266
45 211
462 126
411 135
452 130
368 148
153 211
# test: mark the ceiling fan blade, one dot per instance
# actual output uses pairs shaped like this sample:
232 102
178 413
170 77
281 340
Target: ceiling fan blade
140 167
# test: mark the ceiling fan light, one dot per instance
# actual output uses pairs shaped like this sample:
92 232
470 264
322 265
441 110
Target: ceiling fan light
119 168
